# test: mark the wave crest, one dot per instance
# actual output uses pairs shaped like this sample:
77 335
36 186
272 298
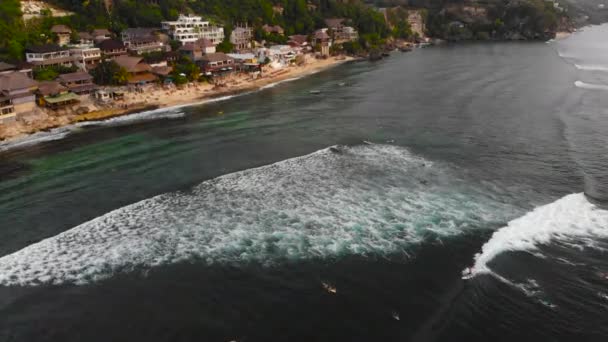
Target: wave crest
570 217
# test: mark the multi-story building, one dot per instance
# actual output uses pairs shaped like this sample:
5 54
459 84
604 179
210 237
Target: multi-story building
112 48
80 83
190 28
196 50
63 34
85 57
16 95
340 32
48 55
241 38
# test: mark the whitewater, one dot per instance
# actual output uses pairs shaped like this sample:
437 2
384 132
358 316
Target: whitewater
369 200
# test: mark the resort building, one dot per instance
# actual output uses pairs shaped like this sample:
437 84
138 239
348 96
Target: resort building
416 21
140 73
197 49
112 48
85 38
80 83
53 95
16 95
99 35
217 63
85 57
144 40
63 34
323 40
298 40
48 55
340 32
241 38
190 28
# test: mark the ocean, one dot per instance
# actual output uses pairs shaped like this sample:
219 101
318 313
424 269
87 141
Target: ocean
453 193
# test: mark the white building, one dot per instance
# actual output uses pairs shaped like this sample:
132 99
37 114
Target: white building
85 57
190 28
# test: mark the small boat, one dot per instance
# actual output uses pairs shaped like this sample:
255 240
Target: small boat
405 49
386 54
315 92
342 84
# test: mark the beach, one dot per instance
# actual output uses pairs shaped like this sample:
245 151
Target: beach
156 97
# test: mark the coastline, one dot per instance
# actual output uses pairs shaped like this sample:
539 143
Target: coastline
159 98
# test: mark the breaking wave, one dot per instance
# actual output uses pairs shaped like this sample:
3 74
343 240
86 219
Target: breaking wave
370 200
36 138
590 86
591 67
570 218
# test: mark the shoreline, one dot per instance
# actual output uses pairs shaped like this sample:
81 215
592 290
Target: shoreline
159 98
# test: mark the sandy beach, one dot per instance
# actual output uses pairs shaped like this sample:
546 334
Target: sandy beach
154 97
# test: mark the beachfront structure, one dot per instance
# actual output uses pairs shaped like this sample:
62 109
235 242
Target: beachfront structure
245 61
53 95
217 63
63 34
190 28
197 49
80 83
140 72
298 40
112 48
85 57
16 95
282 53
340 32
241 38
322 39
416 21
48 55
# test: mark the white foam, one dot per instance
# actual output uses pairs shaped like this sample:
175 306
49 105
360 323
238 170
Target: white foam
36 138
364 200
567 219
591 67
590 86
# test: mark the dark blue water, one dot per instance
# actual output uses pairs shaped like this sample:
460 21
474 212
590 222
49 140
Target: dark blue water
187 224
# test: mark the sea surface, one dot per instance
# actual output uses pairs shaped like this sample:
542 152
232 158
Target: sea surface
453 193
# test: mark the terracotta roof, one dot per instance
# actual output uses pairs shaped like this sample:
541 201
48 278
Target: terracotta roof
216 57
85 35
273 29
320 34
101 32
162 70
132 64
111 44
15 81
334 22
6 66
74 77
47 88
299 38
60 29
45 48
147 77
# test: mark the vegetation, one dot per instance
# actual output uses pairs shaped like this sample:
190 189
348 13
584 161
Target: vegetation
110 73
51 73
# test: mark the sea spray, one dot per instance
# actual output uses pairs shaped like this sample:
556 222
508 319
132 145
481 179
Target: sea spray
370 200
